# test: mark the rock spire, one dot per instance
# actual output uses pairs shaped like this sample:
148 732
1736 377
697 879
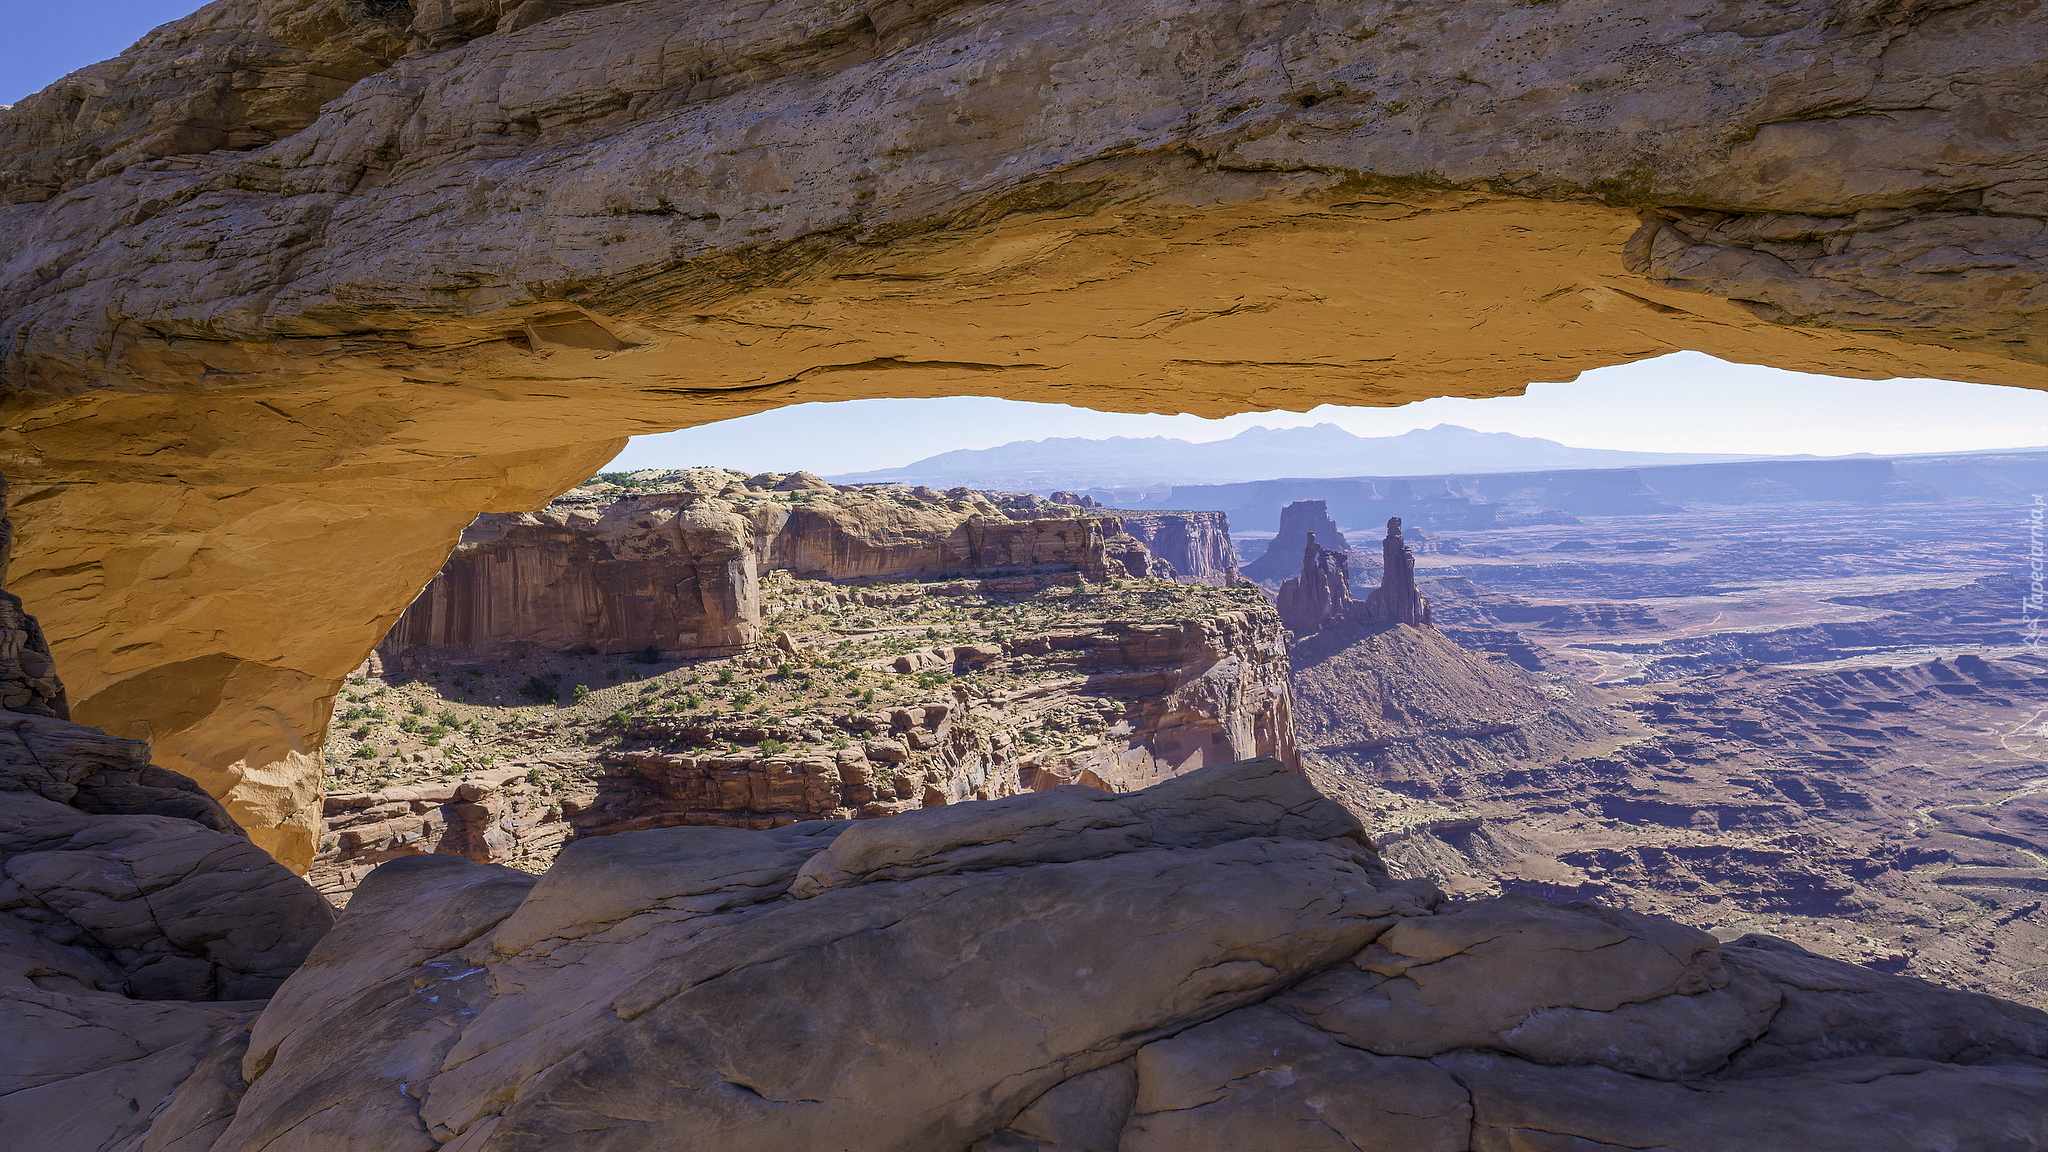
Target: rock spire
1396 601
1321 595
1299 521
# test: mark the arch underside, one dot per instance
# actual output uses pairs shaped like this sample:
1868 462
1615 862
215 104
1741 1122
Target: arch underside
257 385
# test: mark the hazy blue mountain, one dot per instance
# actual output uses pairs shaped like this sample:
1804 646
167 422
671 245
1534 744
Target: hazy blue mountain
1256 454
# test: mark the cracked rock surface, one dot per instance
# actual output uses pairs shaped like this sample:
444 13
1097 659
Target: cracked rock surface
1216 962
140 929
299 287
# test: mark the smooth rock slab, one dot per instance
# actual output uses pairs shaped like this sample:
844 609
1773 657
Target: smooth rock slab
1216 964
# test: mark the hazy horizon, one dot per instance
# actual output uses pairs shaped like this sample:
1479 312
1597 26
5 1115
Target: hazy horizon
1685 402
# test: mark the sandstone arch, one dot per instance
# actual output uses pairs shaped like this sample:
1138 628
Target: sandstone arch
295 288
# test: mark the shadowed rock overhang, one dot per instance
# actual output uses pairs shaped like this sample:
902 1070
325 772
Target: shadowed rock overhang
293 289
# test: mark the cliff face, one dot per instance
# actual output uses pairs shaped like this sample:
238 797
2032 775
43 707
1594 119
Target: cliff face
679 570
1196 544
1320 595
852 711
1283 555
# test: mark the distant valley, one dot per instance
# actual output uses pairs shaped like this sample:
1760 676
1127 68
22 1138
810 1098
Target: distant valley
1788 697
1122 469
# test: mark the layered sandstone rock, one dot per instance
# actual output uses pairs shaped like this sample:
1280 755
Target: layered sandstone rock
677 570
1300 521
263 365
140 929
1196 544
1396 600
1218 962
852 711
1320 596
1165 698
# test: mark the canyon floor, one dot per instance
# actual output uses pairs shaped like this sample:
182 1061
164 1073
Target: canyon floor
865 700
1814 721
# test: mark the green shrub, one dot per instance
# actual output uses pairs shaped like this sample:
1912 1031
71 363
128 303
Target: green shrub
693 701
773 747
621 718
581 692
417 708
534 777
365 753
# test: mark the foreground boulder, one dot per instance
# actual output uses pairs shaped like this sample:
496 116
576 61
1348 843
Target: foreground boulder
1217 962
140 929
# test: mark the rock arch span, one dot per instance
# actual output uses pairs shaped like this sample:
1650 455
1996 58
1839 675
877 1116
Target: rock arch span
295 288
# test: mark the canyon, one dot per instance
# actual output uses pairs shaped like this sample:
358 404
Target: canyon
869 650
1226 949
1818 720
250 338
294 290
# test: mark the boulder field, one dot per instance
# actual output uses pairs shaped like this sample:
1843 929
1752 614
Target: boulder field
1219 961
1216 962
294 289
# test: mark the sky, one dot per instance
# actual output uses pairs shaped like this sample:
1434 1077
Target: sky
1687 402
48 39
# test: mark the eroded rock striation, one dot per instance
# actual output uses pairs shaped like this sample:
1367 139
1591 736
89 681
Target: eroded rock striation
1320 596
1196 544
1217 962
677 570
253 340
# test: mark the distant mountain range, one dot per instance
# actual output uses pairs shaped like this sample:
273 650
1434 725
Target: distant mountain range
1325 450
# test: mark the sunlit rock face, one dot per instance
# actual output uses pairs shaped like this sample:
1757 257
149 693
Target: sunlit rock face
296 288
1219 962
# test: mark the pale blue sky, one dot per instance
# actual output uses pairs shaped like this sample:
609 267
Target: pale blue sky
48 39
1684 403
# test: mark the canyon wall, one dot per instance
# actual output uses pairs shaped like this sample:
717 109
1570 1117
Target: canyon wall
679 571
294 289
1116 704
1197 544
1168 698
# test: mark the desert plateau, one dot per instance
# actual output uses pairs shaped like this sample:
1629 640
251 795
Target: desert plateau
628 575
